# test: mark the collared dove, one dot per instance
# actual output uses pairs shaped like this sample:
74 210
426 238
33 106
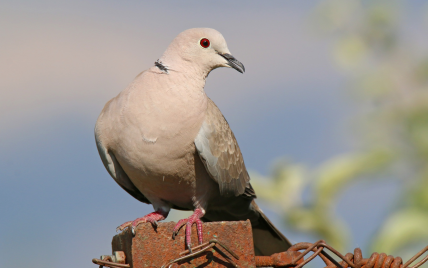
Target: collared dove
167 144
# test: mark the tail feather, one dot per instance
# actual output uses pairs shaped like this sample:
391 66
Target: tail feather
267 238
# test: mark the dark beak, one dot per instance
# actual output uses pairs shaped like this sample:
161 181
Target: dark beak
234 63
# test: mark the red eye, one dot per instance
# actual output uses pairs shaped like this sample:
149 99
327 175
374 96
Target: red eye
205 42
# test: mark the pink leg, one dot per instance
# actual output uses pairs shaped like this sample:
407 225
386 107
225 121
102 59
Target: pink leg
194 218
153 218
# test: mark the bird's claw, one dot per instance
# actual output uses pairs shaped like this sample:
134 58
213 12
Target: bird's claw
123 226
178 226
194 218
153 218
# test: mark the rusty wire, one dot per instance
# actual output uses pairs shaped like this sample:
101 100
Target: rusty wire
108 262
294 258
205 246
355 260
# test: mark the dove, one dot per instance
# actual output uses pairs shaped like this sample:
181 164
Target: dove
167 144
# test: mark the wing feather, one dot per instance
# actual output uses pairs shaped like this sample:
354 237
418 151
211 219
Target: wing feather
115 170
220 153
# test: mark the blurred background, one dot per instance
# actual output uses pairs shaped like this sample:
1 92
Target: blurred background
331 116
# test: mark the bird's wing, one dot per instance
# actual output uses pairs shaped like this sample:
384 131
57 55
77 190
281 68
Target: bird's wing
220 153
116 171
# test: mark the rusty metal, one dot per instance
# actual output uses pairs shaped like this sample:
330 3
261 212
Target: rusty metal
205 246
355 260
117 257
420 253
278 259
169 264
216 242
156 248
109 262
317 251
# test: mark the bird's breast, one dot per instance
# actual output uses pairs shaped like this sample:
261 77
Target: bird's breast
154 135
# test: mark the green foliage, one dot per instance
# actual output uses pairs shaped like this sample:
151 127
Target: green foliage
384 70
402 229
289 182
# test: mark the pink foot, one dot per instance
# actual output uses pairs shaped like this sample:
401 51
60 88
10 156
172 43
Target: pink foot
153 218
194 218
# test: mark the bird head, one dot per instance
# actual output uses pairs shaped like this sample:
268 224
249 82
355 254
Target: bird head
201 48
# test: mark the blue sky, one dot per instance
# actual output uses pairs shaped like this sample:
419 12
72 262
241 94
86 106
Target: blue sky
61 61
